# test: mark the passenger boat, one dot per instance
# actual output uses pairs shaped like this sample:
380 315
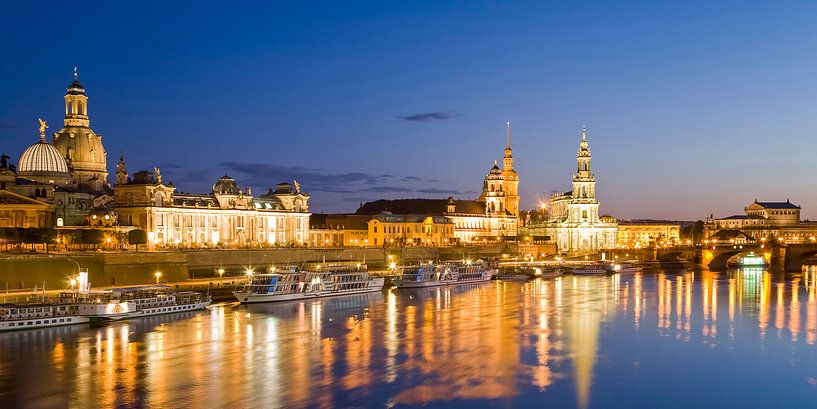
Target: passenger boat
548 272
750 260
134 302
298 285
622 267
591 269
39 315
430 275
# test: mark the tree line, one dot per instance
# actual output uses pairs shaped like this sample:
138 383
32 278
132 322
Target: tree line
83 239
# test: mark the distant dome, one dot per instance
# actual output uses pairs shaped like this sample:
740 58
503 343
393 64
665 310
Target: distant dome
42 159
75 88
226 186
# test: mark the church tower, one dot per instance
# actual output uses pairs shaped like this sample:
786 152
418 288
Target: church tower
510 177
584 185
121 171
79 145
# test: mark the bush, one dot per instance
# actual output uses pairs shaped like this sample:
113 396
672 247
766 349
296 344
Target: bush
94 236
137 237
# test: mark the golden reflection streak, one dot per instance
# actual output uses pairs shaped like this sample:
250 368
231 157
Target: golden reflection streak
811 309
763 307
780 312
794 309
391 336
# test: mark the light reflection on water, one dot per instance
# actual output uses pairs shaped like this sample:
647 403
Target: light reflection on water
704 339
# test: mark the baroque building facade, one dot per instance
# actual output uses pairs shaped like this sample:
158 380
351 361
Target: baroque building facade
68 175
574 223
227 216
492 216
647 233
762 222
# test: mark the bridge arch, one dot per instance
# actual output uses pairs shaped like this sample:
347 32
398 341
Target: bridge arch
719 261
794 260
670 257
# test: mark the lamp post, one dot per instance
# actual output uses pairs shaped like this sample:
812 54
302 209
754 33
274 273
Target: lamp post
158 275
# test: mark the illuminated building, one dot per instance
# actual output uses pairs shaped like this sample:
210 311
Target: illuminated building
573 221
492 216
68 175
647 233
227 216
338 230
761 222
79 144
388 228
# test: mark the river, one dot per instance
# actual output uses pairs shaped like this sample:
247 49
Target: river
670 339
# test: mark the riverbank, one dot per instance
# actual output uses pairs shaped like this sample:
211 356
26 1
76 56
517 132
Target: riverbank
25 271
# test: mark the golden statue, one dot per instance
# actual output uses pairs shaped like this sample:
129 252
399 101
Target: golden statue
297 186
43 126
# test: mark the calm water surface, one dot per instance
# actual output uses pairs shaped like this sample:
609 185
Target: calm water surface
635 340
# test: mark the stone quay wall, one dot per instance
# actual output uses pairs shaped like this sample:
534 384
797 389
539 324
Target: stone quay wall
23 271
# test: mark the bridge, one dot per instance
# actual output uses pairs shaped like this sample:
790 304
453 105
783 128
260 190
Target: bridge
787 257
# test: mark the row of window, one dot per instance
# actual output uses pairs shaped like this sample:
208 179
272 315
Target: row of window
40 322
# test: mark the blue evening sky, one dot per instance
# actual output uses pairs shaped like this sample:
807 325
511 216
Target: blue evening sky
691 107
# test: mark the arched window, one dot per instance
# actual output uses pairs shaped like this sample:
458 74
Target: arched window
584 214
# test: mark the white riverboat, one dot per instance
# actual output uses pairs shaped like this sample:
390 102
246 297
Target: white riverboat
591 269
39 315
430 275
292 285
134 302
623 267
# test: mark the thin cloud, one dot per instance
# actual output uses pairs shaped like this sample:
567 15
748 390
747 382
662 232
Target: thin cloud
262 174
435 191
429 116
383 189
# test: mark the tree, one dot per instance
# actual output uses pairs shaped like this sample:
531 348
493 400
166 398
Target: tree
68 237
93 236
9 235
137 237
47 235
30 235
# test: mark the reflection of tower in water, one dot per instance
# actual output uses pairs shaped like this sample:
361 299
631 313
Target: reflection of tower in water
593 299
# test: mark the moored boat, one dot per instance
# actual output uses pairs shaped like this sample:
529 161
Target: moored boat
590 269
622 267
39 315
134 302
749 260
298 285
430 275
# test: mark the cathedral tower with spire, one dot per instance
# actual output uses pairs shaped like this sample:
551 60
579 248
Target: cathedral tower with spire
574 223
510 177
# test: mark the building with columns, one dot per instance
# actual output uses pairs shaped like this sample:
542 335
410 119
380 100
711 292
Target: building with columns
763 222
574 223
227 216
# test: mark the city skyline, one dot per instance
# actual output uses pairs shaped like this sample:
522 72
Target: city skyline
274 114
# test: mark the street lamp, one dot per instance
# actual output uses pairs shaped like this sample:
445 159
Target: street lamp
221 272
158 275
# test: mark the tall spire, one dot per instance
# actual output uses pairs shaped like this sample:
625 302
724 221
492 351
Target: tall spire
508 143
583 149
